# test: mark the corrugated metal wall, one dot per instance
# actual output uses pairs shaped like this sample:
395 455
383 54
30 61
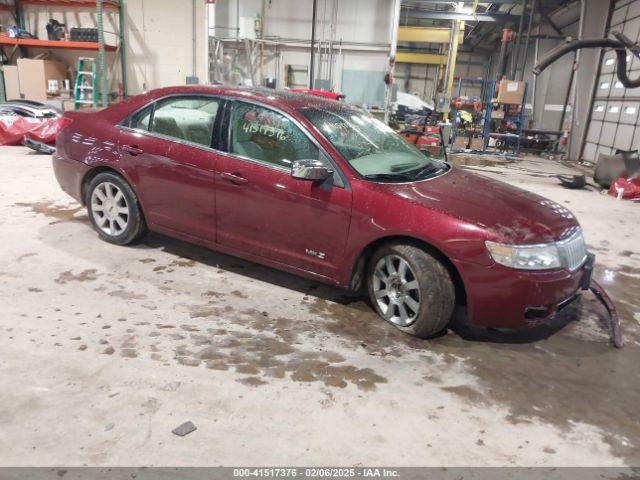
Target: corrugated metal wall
615 109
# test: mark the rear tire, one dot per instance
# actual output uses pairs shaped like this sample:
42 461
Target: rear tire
114 209
411 289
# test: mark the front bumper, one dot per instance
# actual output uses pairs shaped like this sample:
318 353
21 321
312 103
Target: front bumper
500 297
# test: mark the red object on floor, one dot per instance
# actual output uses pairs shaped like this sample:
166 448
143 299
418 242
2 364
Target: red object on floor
13 129
630 188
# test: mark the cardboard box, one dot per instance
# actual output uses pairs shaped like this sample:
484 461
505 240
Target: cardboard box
497 114
34 76
511 92
477 143
69 105
11 83
461 142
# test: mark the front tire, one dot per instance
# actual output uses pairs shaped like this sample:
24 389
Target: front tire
114 209
411 289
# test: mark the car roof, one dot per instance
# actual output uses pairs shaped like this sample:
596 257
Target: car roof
292 100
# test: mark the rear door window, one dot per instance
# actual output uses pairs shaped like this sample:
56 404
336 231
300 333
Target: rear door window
186 118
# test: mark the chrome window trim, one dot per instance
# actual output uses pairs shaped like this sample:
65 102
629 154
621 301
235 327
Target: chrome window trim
160 136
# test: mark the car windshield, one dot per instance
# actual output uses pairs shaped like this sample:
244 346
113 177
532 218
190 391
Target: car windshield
372 148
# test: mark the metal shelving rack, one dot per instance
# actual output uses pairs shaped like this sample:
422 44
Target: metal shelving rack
517 119
100 46
454 116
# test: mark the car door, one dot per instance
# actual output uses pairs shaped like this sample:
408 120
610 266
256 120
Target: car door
261 209
175 164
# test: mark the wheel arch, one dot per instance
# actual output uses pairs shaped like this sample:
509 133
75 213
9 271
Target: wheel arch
95 171
359 269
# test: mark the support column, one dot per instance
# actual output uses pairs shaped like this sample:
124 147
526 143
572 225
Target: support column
451 61
312 66
392 59
123 49
102 67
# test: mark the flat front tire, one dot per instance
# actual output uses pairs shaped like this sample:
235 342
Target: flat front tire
114 209
411 289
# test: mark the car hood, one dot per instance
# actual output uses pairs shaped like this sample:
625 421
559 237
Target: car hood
511 214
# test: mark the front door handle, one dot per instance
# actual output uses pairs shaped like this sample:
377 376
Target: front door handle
133 150
236 178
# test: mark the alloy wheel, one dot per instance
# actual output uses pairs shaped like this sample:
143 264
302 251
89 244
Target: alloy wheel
109 208
396 290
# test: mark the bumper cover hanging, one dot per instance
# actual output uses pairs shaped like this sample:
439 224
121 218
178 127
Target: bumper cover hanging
588 283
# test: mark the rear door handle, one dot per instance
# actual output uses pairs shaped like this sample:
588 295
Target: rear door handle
133 150
234 178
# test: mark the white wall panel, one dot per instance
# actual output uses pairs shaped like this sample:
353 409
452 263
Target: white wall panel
630 28
634 9
609 62
635 143
590 151
593 135
613 111
604 150
619 15
630 111
603 87
624 136
608 134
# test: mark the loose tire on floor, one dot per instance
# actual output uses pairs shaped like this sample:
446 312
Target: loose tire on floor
415 287
114 210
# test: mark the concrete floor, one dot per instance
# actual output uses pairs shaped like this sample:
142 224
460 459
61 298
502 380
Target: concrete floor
106 349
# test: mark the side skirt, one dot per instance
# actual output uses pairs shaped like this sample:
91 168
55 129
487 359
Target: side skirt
244 255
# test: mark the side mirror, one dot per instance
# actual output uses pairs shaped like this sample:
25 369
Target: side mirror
313 170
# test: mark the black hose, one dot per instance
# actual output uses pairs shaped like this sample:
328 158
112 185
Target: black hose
618 46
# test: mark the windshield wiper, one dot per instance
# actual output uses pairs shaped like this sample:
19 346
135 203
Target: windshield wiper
426 172
402 168
388 176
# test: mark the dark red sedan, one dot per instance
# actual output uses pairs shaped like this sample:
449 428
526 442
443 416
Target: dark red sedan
321 189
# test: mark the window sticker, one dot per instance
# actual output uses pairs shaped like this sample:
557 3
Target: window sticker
266 130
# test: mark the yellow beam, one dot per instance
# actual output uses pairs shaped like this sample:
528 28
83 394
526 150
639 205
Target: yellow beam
424 58
428 34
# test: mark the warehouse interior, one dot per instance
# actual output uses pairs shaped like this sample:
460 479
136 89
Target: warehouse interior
171 352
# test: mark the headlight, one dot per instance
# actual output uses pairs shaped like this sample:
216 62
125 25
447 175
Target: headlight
526 257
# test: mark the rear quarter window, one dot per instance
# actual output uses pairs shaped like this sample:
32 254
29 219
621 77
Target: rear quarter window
140 120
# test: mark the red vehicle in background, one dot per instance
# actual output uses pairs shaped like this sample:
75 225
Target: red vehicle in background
319 93
324 190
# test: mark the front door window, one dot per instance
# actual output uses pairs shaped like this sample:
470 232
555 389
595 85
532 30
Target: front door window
269 137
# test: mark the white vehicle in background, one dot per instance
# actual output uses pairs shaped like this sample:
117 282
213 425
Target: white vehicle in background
413 102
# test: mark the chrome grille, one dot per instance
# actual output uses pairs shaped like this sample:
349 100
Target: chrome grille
573 251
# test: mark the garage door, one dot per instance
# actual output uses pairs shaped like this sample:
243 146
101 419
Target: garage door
614 118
